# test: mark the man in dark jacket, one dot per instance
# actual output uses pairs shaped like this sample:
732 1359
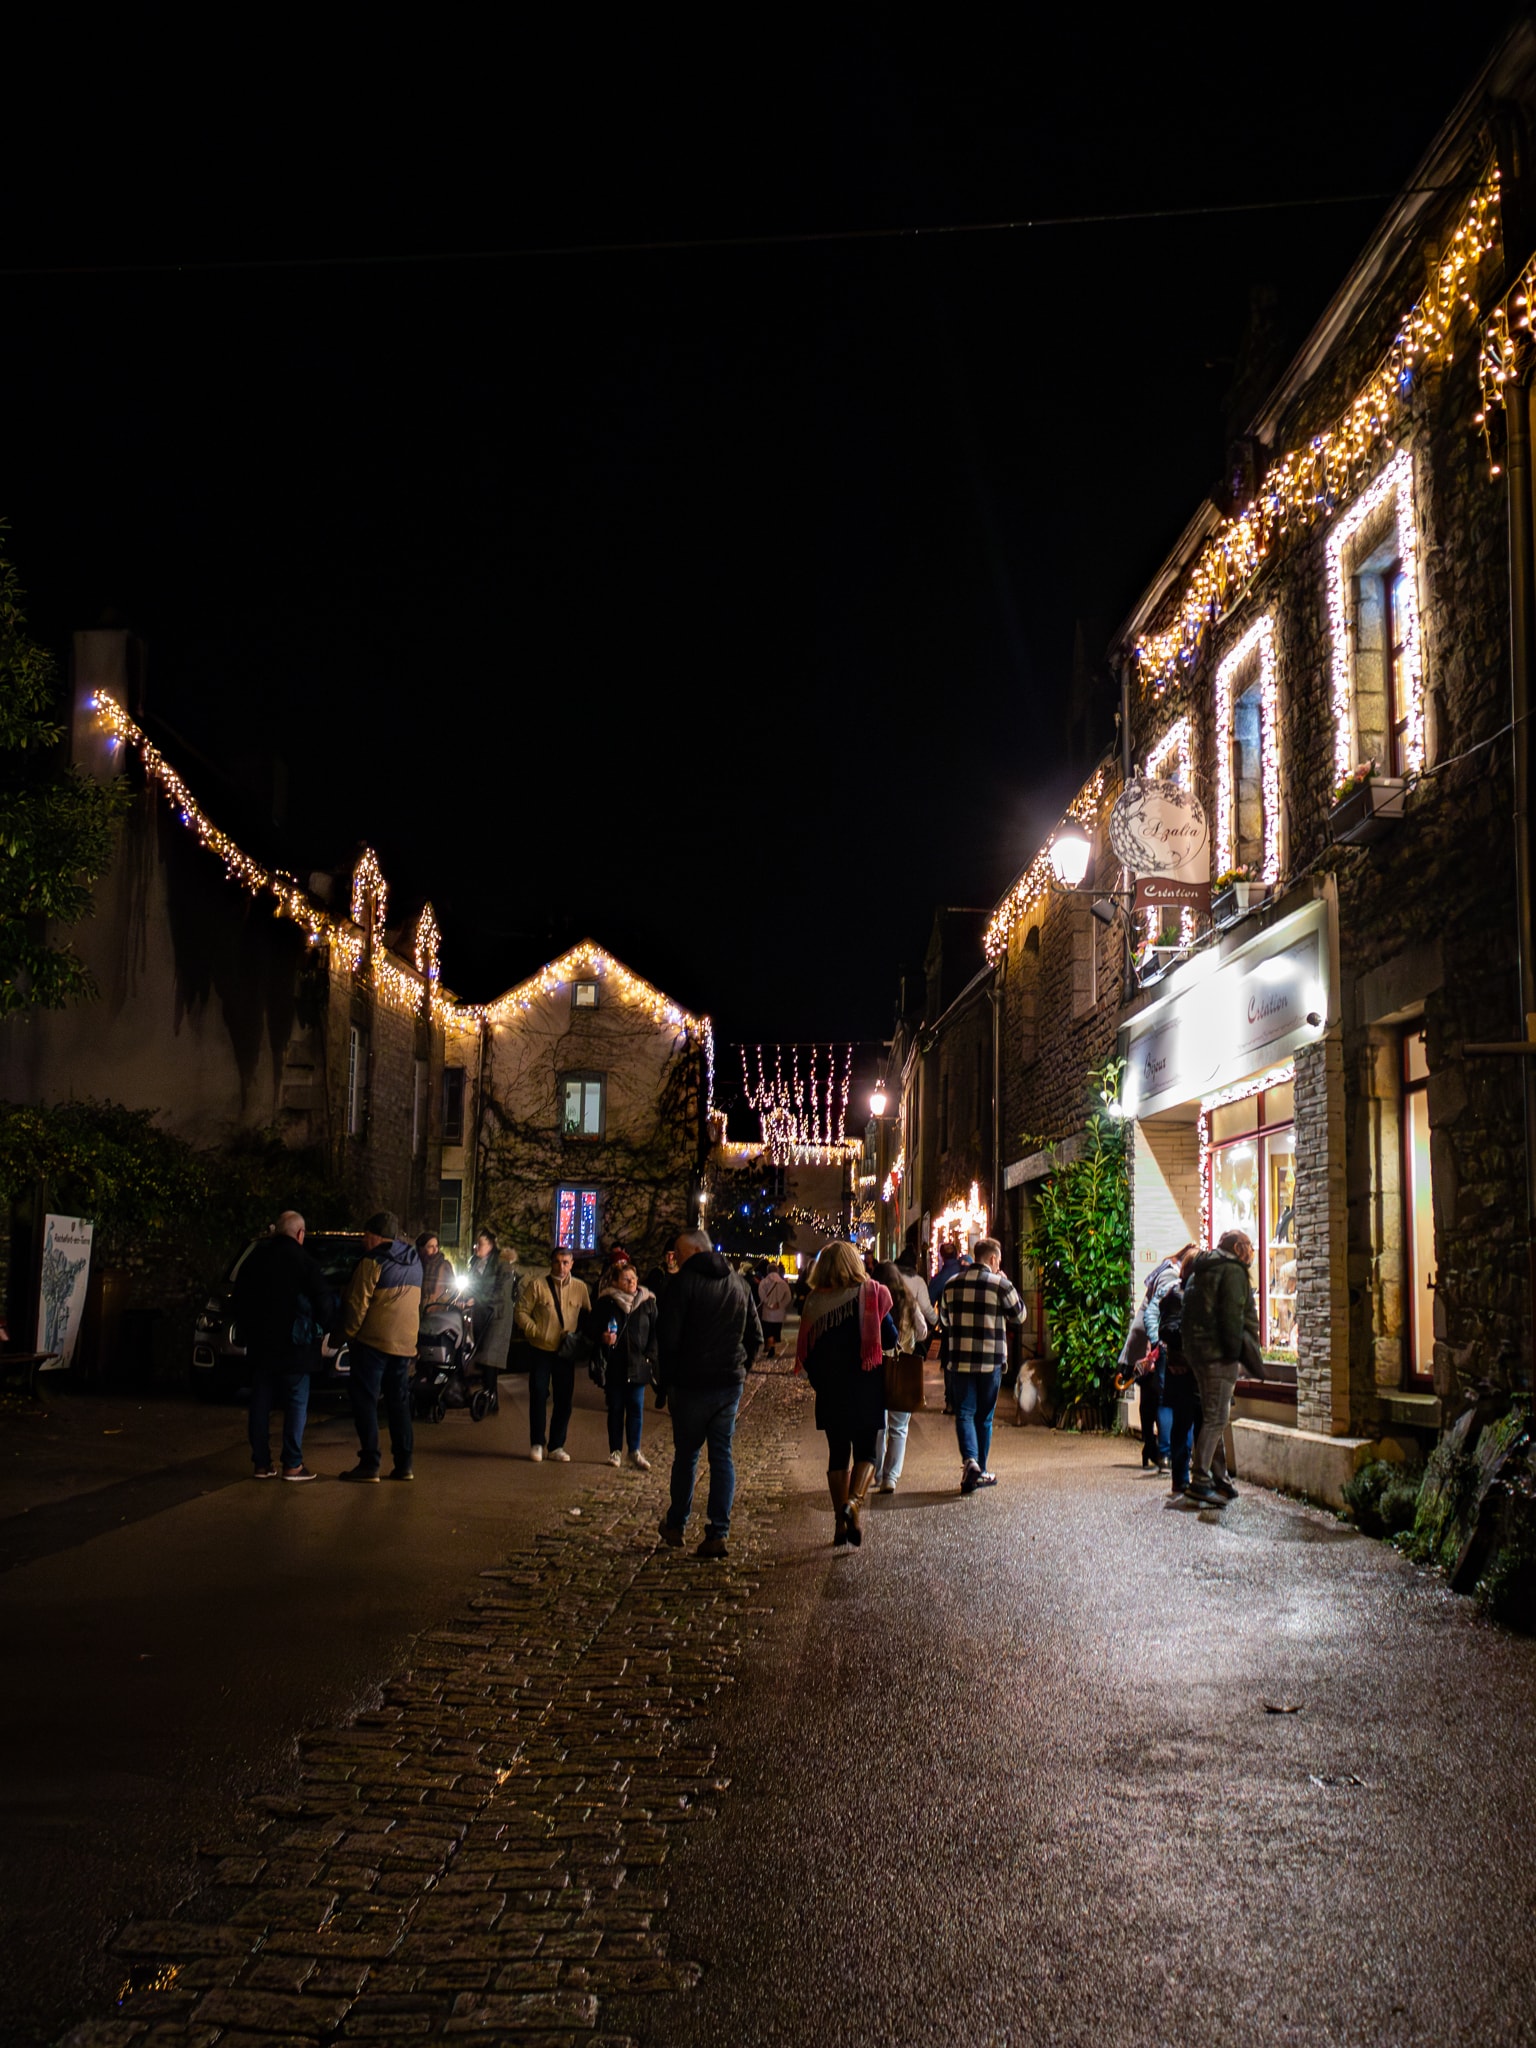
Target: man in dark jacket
380 1323
1221 1325
708 1336
283 1305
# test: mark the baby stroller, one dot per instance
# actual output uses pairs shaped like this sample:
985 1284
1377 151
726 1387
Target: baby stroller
445 1351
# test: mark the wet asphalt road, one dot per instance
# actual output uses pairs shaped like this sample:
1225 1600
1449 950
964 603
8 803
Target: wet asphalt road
1006 1775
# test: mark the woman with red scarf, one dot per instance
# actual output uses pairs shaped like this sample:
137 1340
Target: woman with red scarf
845 1330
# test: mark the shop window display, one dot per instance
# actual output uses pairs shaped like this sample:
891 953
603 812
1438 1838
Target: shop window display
1252 1188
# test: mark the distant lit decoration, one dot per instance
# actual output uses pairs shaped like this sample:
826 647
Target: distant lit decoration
1395 481
1260 640
1034 885
1176 747
575 1219
428 947
813 1219
370 895
807 1107
1310 483
961 1223
892 1186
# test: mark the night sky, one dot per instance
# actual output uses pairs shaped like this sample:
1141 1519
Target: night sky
720 602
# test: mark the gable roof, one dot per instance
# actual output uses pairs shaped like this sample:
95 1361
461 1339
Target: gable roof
586 957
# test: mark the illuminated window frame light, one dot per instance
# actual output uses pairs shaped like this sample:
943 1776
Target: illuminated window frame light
1178 739
1304 485
1276 1077
1395 480
1259 638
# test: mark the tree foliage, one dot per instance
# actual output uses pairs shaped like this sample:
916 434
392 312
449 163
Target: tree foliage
1082 1248
55 824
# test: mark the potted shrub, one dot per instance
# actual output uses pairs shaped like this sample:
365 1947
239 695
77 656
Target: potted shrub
1365 805
1235 890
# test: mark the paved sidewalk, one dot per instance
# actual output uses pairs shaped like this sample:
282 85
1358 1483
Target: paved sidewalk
487 1853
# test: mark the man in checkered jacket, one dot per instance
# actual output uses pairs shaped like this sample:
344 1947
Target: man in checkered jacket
975 1310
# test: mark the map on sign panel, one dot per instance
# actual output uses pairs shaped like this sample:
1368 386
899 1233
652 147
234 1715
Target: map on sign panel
1156 828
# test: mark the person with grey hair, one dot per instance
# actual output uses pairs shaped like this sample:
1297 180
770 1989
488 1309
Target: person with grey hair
283 1305
708 1334
975 1310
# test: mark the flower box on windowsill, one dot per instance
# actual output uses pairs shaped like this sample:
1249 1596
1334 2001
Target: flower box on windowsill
1368 812
1237 899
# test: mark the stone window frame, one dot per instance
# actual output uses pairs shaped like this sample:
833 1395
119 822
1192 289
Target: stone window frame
1344 549
578 1189
586 1077
1257 644
592 1001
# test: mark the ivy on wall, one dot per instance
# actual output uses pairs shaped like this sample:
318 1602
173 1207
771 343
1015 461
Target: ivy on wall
1081 1245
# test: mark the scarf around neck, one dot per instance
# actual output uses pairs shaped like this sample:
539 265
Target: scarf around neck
827 1307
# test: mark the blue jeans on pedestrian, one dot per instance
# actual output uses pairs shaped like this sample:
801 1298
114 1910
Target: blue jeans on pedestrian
973 1396
1156 1415
374 1372
1184 1410
270 1389
700 1416
892 1449
626 1412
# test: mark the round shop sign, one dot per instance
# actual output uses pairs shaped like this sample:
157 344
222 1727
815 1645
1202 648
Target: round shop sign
1156 828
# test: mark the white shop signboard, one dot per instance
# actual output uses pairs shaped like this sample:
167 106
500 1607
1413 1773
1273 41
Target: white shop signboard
1224 1022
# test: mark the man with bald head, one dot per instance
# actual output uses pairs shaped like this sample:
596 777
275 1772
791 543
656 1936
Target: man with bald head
283 1306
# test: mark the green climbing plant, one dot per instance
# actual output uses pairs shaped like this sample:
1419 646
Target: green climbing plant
1081 1245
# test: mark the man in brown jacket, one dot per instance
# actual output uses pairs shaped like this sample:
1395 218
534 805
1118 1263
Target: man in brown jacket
380 1321
547 1316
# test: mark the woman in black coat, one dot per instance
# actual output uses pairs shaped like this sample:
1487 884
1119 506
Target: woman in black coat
620 1327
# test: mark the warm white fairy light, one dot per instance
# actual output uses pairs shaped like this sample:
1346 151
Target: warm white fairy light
1034 885
893 1179
799 1109
1260 639
962 1223
1238 1092
1307 483
1395 480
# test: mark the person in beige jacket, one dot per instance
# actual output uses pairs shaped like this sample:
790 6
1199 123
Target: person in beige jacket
380 1319
548 1318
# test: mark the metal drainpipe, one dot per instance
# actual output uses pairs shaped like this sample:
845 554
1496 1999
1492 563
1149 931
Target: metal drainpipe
1522 647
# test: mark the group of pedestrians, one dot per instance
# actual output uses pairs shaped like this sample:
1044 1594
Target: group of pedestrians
1195 1330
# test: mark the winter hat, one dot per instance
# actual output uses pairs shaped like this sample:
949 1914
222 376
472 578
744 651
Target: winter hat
383 1224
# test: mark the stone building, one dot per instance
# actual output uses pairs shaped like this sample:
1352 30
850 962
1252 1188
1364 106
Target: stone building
1298 1063
576 1113
945 1058
233 999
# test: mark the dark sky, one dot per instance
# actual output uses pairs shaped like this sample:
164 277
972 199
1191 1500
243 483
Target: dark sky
719 602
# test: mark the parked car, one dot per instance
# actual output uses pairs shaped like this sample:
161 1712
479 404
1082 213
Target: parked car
218 1359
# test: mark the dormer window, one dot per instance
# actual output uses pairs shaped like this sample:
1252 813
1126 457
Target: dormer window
583 995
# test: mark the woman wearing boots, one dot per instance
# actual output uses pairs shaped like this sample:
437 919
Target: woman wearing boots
845 1330
621 1328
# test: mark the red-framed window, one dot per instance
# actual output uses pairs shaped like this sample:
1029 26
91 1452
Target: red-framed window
1251 1186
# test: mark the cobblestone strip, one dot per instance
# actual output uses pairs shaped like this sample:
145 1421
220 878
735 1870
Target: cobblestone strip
483 1857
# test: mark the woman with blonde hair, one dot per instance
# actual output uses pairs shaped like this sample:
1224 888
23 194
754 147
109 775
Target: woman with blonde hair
845 1330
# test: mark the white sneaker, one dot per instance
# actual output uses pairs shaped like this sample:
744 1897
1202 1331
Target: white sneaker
536 1453
561 1457
615 1458
638 1462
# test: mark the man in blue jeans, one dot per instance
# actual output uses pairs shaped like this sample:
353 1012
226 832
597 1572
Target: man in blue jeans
282 1305
708 1336
975 1310
380 1317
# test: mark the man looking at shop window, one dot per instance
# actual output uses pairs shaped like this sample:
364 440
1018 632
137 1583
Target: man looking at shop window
975 1309
1221 1331
548 1315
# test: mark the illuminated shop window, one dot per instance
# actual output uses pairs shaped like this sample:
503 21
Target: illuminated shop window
1419 1213
1251 1187
575 1219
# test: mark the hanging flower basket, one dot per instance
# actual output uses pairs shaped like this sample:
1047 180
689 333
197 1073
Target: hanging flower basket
1366 806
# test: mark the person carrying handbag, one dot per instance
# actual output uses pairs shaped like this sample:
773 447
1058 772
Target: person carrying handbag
845 1331
620 1328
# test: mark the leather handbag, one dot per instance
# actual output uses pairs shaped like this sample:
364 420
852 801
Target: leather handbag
903 1381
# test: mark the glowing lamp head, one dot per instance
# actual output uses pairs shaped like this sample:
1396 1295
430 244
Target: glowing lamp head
877 1099
1069 856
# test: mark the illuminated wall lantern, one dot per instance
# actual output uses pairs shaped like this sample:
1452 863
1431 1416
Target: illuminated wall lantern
1069 856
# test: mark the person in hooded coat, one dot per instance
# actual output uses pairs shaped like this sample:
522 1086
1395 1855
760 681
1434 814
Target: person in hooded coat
708 1335
1220 1333
621 1328
493 1282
